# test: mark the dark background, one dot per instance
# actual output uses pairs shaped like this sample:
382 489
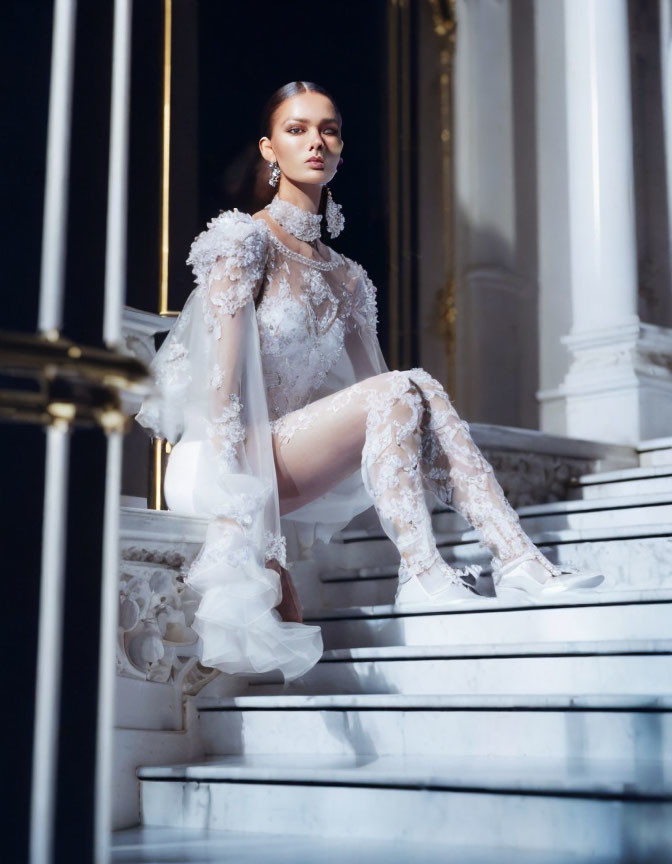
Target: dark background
227 59
243 52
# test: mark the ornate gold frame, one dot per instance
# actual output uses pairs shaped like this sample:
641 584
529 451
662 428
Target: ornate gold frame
400 179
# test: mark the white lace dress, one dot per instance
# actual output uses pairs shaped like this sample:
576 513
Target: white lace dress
272 343
227 374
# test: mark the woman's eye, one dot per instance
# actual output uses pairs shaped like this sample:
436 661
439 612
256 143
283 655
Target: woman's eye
299 129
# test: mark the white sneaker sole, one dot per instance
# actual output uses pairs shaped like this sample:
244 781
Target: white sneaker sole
557 585
441 599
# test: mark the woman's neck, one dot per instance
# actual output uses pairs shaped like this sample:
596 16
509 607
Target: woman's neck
306 196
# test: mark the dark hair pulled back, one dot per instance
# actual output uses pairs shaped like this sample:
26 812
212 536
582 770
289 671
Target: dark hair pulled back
294 88
244 183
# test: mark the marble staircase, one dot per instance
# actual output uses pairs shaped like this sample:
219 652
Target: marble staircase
542 728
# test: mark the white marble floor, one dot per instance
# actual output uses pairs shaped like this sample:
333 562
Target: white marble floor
174 846
592 777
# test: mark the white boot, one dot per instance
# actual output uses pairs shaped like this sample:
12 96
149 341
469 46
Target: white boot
522 574
412 593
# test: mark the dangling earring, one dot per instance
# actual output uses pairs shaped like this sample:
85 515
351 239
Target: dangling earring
334 216
275 173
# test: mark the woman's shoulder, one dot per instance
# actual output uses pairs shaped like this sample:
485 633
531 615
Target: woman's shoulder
233 226
358 274
232 233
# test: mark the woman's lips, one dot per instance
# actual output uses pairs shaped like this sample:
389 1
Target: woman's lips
315 163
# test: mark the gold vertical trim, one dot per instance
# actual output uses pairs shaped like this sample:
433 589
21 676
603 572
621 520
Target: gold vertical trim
405 335
159 447
155 484
400 182
393 226
445 27
165 172
157 470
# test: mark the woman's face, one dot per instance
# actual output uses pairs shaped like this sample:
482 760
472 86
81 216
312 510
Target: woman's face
305 128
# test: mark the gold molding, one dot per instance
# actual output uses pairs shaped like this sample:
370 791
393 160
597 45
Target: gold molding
393 224
399 143
66 384
158 462
165 160
160 448
445 27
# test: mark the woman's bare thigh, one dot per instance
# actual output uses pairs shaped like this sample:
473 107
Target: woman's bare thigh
320 445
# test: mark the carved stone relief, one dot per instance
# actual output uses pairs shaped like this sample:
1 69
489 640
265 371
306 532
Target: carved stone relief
535 478
156 610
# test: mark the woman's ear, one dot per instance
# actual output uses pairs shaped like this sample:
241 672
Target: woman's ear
266 149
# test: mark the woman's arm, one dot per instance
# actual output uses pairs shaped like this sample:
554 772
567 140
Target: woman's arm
290 606
361 340
228 311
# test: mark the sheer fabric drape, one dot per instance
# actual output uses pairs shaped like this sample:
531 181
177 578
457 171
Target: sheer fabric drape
210 403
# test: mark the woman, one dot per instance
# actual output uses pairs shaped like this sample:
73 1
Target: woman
272 387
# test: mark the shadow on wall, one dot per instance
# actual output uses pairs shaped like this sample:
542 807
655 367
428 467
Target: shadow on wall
245 182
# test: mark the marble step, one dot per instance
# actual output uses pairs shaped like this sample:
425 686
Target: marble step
569 647
540 519
546 524
635 667
557 727
626 481
643 562
637 472
586 806
614 615
598 511
164 845
656 451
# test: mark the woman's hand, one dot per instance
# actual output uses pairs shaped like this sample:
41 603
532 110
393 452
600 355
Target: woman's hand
290 605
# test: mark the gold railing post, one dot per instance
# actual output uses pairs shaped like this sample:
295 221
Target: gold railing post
160 450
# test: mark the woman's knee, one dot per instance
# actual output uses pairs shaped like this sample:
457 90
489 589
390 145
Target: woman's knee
425 381
396 381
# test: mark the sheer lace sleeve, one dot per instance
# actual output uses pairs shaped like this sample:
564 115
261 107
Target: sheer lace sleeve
232 253
220 405
203 346
361 340
228 262
364 310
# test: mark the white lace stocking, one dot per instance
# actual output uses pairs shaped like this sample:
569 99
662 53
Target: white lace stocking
414 445
393 475
472 488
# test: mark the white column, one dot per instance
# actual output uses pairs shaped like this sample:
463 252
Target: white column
618 387
117 180
54 220
555 315
496 269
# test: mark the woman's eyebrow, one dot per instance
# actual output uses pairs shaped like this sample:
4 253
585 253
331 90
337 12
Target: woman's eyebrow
303 120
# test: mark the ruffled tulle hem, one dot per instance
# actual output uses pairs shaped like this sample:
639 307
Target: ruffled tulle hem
240 628
268 645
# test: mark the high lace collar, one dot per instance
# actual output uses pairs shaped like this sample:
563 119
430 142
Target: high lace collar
303 224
